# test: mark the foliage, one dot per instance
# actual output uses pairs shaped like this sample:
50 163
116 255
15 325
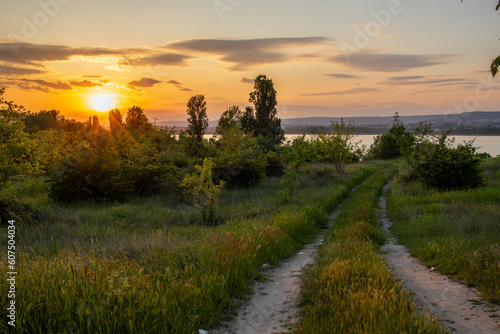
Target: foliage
136 119
229 119
116 120
456 232
197 117
297 154
103 166
204 191
241 161
434 161
262 120
15 148
393 144
336 145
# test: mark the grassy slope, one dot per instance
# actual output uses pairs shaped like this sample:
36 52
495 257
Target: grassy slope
349 289
457 232
145 267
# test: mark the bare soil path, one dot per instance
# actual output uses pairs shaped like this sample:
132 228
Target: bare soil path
460 308
274 305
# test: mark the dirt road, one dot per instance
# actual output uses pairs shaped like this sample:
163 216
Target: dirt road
274 305
460 309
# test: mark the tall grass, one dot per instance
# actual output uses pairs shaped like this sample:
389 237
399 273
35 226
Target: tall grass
350 289
139 268
457 232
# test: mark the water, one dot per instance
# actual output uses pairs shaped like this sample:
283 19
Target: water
488 144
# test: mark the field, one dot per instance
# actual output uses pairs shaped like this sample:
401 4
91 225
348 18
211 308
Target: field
145 267
456 232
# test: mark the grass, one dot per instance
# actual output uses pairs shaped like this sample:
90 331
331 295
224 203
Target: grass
147 267
456 232
350 289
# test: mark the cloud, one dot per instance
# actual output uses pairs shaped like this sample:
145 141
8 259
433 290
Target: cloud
179 86
10 70
385 62
54 85
86 84
246 80
174 82
245 53
344 92
342 76
165 59
421 80
34 54
144 82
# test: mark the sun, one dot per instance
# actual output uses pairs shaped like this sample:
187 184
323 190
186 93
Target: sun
103 102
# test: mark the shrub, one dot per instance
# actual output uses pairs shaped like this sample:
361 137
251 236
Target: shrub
393 144
438 165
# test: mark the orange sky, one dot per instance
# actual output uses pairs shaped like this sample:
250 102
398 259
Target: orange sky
326 59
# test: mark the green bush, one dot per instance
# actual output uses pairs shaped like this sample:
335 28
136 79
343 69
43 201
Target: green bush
438 165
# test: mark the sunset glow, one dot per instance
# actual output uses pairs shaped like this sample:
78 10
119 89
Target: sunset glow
364 58
103 102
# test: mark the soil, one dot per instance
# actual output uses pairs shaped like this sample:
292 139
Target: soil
273 307
459 308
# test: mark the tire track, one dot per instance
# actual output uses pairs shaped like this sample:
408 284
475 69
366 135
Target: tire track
460 309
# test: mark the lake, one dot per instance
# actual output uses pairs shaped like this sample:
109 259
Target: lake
489 144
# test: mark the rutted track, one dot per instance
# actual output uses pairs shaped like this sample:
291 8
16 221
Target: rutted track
274 305
460 309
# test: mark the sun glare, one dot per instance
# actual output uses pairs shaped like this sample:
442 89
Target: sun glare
103 102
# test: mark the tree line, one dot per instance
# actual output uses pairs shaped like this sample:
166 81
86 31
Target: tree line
84 161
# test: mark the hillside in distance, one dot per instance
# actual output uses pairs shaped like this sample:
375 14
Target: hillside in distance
473 123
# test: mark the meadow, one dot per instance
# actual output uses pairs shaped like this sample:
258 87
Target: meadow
145 267
456 232
350 288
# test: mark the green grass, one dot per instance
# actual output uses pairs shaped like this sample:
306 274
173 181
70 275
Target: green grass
148 267
457 232
350 289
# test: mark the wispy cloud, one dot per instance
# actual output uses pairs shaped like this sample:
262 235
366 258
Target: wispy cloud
341 76
11 70
247 80
421 80
345 92
144 82
179 86
164 59
245 53
85 84
386 62
54 85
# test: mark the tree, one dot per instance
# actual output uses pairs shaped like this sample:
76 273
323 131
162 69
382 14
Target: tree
297 154
392 144
262 121
197 117
136 119
337 144
14 144
229 119
115 120
205 192
43 120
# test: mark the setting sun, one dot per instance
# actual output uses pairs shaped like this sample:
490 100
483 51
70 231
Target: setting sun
103 102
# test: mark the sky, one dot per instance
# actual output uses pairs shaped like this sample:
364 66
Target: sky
326 58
